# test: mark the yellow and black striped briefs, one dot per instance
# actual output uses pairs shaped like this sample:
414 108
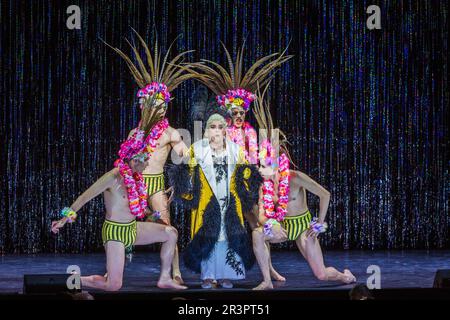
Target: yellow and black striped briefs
295 225
154 182
118 231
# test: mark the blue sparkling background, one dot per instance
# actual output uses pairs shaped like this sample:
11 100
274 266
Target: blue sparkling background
366 111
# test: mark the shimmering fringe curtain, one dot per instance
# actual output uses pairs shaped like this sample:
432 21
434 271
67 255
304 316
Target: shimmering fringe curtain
366 111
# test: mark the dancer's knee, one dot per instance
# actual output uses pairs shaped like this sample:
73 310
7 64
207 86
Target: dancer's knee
113 285
172 233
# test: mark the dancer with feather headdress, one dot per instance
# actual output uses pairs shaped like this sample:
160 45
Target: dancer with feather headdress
125 196
157 78
283 208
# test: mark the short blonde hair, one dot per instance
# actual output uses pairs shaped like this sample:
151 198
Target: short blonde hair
211 119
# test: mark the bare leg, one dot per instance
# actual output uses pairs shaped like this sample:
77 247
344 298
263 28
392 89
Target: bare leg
148 233
310 249
273 273
262 256
115 261
253 222
159 202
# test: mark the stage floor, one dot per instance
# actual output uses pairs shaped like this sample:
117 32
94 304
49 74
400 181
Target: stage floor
399 269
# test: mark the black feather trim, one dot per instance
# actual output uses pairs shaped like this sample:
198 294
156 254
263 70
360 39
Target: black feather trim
202 245
239 240
248 197
183 184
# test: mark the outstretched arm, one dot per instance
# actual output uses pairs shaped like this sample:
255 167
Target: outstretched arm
312 186
105 182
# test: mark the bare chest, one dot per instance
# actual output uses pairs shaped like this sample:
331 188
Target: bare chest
117 195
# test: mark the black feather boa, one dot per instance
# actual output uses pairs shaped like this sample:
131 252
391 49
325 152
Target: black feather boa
182 184
202 245
248 197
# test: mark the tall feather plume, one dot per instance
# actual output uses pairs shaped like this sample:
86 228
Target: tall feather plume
150 116
263 116
148 54
230 64
220 80
171 73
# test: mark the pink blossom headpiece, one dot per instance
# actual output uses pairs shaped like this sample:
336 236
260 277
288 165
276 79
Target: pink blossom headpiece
155 89
236 97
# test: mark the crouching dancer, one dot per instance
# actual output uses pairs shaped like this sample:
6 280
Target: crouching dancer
125 200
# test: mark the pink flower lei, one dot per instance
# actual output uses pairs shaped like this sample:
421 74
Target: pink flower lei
235 135
134 182
136 189
283 192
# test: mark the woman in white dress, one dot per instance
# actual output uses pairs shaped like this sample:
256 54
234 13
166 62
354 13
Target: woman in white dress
218 186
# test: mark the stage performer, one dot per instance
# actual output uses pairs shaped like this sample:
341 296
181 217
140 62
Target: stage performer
156 82
283 208
218 186
234 92
125 199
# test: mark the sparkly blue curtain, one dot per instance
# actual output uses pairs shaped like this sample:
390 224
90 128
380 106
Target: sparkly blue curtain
366 111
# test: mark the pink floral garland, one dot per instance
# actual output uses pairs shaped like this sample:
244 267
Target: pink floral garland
235 135
136 189
134 182
283 192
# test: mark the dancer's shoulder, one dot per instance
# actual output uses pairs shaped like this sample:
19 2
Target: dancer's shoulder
113 174
297 176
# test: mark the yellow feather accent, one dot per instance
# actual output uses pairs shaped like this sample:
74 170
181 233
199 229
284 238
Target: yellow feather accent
247 173
205 197
234 194
187 196
206 193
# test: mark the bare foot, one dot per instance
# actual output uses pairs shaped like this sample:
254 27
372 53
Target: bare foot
264 286
169 284
276 276
349 277
178 279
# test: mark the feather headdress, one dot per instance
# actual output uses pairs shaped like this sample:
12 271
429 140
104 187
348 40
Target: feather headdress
234 87
158 77
273 139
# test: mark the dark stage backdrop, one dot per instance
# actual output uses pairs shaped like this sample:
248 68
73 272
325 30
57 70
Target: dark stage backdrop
366 111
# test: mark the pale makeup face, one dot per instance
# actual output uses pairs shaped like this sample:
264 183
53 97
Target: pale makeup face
238 116
266 171
216 131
